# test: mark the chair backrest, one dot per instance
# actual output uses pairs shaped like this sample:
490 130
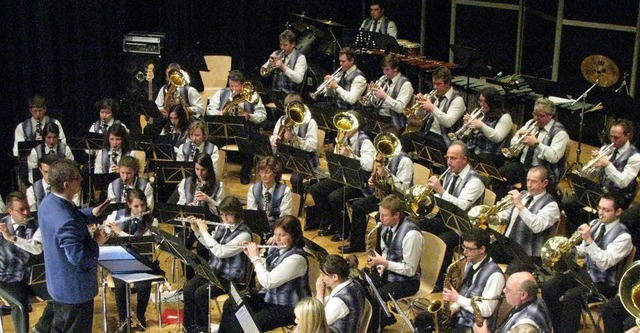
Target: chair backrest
142 160
431 261
222 160
218 73
314 272
627 263
320 147
420 174
295 201
560 227
363 325
489 197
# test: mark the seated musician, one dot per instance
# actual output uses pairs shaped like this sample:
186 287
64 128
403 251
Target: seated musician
616 318
177 128
330 196
481 277
50 146
303 136
31 129
378 22
230 101
395 172
546 148
441 117
348 85
605 245
310 316
170 94
118 190
343 298
108 111
203 187
136 226
116 144
283 275
198 143
531 218
228 263
399 262
394 93
521 292
288 65
270 194
41 188
20 241
490 133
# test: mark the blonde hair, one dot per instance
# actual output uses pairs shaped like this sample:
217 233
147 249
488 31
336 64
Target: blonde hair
525 328
310 314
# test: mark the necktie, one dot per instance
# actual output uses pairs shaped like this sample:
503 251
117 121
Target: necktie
39 130
600 237
388 85
133 227
614 156
454 181
468 279
51 151
48 189
20 231
528 202
375 26
388 238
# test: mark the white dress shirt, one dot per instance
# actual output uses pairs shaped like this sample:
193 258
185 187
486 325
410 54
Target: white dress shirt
367 152
454 112
402 101
194 103
551 153
222 251
286 207
358 87
544 219
296 74
623 178
411 252
334 307
404 175
308 143
492 289
19 135
472 190
259 111
97 165
214 155
123 233
616 251
33 245
501 131
392 29
148 192
217 197
292 267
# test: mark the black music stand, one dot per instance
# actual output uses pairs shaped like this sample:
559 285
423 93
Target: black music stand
225 128
258 222
158 149
375 123
374 40
587 192
168 175
453 217
257 145
488 170
346 171
37 274
324 120
100 183
376 295
296 159
25 147
465 56
425 153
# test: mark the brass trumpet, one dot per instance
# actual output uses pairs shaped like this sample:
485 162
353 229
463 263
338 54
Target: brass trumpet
466 130
322 88
297 114
412 111
420 200
248 94
517 147
370 99
266 71
590 170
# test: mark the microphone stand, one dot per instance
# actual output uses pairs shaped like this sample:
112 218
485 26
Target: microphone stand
582 97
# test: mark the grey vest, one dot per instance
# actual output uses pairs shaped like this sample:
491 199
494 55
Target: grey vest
29 131
224 99
39 191
189 194
118 187
61 150
619 163
276 200
399 120
530 242
461 184
535 310
345 82
395 162
14 262
353 297
187 148
443 130
106 159
557 169
486 146
465 317
281 82
135 227
384 24
98 126
232 268
289 293
394 251
608 276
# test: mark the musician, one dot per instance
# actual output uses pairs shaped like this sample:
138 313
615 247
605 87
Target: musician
394 94
203 187
605 245
521 292
616 318
177 128
21 239
547 148
136 206
40 189
50 146
330 196
229 264
378 22
31 129
187 93
343 298
270 194
310 317
118 190
289 65
283 275
396 172
401 243
198 143
108 111
491 132
116 144
348 88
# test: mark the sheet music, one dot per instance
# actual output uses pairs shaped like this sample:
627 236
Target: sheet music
246 321
234 294
114 253
137 277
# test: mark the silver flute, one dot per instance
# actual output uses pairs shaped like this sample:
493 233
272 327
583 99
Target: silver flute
185 219
259 246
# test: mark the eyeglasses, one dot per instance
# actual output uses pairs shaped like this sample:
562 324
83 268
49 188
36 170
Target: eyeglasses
469 249
540 115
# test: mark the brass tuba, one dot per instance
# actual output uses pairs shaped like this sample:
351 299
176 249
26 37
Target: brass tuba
297 114
629 290
344 122
387 146
420 200
248 94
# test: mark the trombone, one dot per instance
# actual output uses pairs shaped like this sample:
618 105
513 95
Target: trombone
322 88
297 114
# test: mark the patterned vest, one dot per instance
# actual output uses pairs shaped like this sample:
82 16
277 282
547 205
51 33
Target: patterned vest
484 145
98 126
29 132
14 262
232 268
224 99
535 310
619 163
394 252
530 242
106 159
135 227
399 120
557 169
118 187
608 276
189 194
465 317
274 204
61 150
460 185
39 191
353 297
445 108
368 23
345 82
281 82
186 149
291 291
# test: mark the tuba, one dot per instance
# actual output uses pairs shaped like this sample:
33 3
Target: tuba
248 94
629 290
387 146
344 122
590 170
266 71
297 114
482 216
466 130
420 200
517 147
440 309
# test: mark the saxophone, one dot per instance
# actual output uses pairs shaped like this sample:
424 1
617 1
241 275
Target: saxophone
439 309
478 318
373 273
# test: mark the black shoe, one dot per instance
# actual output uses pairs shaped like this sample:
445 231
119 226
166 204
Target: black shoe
346 249
244 180
386 321
339 238
123 327
142 326
327 231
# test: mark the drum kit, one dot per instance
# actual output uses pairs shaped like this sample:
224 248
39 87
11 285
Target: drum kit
311 39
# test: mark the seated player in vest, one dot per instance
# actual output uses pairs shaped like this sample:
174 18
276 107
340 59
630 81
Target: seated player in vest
394 94
177 127
288 65
530 221
330 196
31 129
270 194
378 22
350 83
50 146
605 245
118 189
441 117
116 145
137 226
20 241
546 148
310 317
521 292
108 111
343 298
283 275
481 277
41 188
228 263
203 187
303 136
397 173
170 95
198 143
489 134
399 263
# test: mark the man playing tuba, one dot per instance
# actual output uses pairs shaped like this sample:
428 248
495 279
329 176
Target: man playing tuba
178 91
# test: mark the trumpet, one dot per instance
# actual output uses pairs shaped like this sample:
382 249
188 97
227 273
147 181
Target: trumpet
370 99
297 114
466 129
266 71
482 216
259 246
413 110
344 122
517 147
322 88
211 223
419 199
590 170
248 94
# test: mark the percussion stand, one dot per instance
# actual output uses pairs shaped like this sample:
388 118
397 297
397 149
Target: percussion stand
334 43
582 97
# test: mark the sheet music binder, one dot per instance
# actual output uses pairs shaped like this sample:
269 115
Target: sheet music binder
587 192
296 159
168 212
225 127
346 171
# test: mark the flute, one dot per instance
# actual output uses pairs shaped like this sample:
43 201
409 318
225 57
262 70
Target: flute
185 219
108 230
259 246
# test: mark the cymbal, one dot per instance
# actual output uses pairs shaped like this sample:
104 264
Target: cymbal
302 16
600 70
329 22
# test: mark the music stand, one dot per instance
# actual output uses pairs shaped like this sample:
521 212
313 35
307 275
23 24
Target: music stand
587 192
324 120
257 145
453 217
346 171
297 160
489 170
425 153
376 295
168 175
258 222
25 147
466 55
100 183
405 319
159 149
374 40
37 269
225 127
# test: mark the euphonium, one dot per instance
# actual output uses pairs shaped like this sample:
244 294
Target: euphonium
477 315
555 249
370 99
466 129
322 88
440 309
247 94
373 273
590 170
178 78
297 114
344 122
482 216
419 199
629 291
266 71
517 147
387 146
412 111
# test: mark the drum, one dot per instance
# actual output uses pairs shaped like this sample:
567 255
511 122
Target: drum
307 36
411 49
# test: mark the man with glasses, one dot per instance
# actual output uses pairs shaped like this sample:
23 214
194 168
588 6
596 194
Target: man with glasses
546 147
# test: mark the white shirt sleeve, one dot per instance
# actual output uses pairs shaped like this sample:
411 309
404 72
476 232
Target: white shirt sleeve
392 29
33 245
31 198
217 199
367 155
555 151
297 74
544 219
259 112
18 136
286 207
469 194
182 197
399 103
500 132
454 112
492 289
606 258
213 109
32 160
195 102
335 309
623 178
290 268
220 250
97 166
251 201
358 87
404 175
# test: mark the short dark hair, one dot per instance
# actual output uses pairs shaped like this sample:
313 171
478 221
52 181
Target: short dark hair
129 162
48 159
15 196
108 103
618 200
288 35
237 75
478 236
231 205
380 3
291 225
349 52
626 125
335 264
393 203
62 170
390 60
530 287
120 131
494 100
442 73
37 101
51 128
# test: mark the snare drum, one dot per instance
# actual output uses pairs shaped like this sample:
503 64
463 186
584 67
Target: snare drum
411 49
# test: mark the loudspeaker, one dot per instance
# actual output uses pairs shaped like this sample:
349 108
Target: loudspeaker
142 75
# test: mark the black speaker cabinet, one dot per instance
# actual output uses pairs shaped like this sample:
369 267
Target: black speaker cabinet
143 75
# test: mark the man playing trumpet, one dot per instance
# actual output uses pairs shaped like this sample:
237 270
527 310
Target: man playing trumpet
287 64
348 87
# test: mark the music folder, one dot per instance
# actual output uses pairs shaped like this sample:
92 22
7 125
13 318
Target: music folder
118 260
242 312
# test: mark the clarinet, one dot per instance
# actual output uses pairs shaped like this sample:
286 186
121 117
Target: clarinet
193 151
199 187
114 157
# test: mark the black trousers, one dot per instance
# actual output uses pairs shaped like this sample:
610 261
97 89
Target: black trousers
143 290
77 318
360 209
17 294
330 198
196 301
399 290
514 172
266 315
615 317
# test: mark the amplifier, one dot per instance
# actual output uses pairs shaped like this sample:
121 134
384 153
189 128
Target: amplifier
143 42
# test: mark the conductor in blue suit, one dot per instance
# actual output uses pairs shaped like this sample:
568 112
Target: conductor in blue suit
70 251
